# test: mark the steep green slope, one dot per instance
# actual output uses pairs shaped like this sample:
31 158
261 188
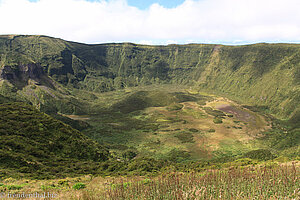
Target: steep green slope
261 74
35 143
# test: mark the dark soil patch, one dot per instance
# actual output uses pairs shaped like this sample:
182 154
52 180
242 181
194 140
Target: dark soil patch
238 113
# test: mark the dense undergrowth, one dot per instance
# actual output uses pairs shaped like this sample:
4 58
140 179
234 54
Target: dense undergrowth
34 144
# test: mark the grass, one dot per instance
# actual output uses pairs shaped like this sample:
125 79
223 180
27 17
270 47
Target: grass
233 183
269 180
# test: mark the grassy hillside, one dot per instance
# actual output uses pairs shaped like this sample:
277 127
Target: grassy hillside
33 144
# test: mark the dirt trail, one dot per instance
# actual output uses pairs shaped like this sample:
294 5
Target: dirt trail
77 117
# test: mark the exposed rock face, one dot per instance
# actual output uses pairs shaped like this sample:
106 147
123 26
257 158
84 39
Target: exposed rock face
19 75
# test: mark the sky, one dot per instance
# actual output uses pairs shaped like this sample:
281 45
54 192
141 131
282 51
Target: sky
155 21
144 4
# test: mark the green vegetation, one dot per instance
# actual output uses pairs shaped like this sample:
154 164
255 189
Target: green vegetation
260 74
218 120
69 109
34 144
185 137
10 187
143 99
260 154
175 106
78 186
215 113
243 180
248 183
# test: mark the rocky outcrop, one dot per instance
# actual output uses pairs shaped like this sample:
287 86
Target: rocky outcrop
19 75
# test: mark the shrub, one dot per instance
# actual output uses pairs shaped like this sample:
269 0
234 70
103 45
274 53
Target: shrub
193 130
215 113
218 120
260 154
185 137
14 187
244 162
79 186
47 187
63 182
126 184
129 154
146 181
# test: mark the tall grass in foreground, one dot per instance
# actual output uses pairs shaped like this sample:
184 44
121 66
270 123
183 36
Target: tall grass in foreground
280 182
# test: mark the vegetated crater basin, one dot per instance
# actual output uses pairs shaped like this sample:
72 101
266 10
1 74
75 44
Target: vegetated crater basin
172 120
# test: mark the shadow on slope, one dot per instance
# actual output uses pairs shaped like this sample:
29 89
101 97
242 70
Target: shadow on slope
144 99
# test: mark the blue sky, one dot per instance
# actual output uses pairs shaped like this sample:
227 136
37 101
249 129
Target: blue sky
142 4
155 22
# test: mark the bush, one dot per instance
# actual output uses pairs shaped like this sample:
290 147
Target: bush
260 154
146 181
79 186
185 137
13 187
129 154
215 113
243 162
218 120
63 182
193 130
48 187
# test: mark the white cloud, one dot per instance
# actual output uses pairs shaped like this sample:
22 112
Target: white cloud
216 21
